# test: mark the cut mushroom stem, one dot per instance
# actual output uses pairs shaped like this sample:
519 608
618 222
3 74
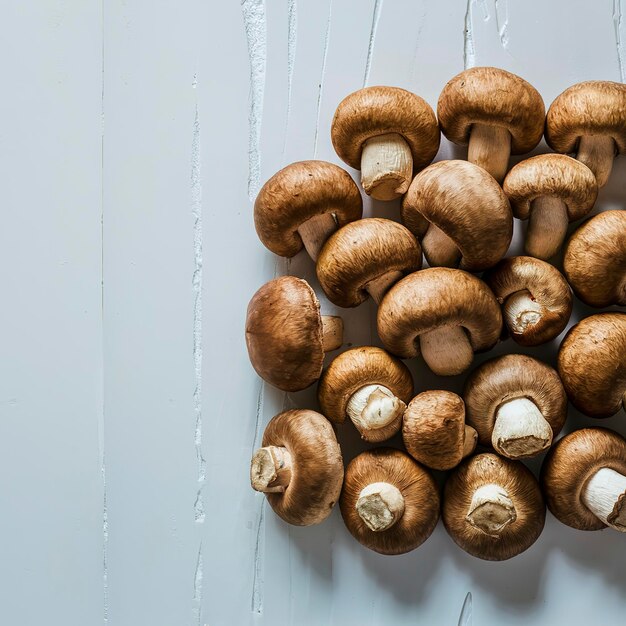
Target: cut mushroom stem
521 310
471 439
270 470
605 496
447 350
315 231
491 510
378 287
439 249
332 332
490 148
380 506
547 227
373 407
597 153
386 166
520 430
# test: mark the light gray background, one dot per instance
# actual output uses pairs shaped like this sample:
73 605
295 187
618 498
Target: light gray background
134 136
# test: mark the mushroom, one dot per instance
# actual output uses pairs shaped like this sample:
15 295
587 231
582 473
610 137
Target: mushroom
493 507
516 403
303 204
366 257
460 214
592 364
389 503
584 479
590 119
370 387
286 335
497 113
299 467
447 313
434 430
535 297
595 260
388 133
550 191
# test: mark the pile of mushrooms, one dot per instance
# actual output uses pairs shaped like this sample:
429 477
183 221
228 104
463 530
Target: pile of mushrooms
474 295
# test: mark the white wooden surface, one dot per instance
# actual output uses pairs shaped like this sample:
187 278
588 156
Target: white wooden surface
134 136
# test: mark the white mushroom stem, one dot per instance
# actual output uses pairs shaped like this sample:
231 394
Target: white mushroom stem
521 310
447 350
491 510
332 332
380 506
439 249
605 496
547 227
386 166
597 153
373 407
520 430
270 469
470 441
490 148
378 287
315 231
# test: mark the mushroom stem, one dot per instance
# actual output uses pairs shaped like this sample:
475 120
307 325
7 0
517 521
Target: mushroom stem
604 495
315 231
374 407
447 350
386 166
439 249
332 332
470 441
520 430
521 310
491 510
547 227
380 506
490 148
597 153
270 469
378 287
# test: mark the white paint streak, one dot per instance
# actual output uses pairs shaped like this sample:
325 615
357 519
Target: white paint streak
469 52
420 28
257 581
378 5
105 547
321 83
502 22
197 587
619 44
259 413
292 35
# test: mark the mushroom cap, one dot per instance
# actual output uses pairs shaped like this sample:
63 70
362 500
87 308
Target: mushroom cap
284 333
592 364
436 297
554 175
415 483
317 470
374 111
545 284
595 107
362 251
299 192
467 204
494 97
357 368
509 377
595 260
522 488
433 429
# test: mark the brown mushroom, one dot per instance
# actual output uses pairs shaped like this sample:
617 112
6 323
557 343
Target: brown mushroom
584 479
303 204
389 503
535 297
286 335
550 191
388 133
592 364
460 214
448 314
370 387
595 260
590 119
366 257
497 113
299 467
516 403
434 430
493 507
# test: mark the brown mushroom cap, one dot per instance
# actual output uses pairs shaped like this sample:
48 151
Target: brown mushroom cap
592 364
522 489
298 193
595 260
415 483
571 462
374 111
317 470
545 285
468 205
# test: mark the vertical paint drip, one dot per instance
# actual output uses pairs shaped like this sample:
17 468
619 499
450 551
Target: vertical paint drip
292 34
469 52
502 22
197 587
378 5
323 73
619 43
256 604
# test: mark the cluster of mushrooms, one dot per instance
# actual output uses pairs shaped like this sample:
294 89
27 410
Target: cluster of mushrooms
459 215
